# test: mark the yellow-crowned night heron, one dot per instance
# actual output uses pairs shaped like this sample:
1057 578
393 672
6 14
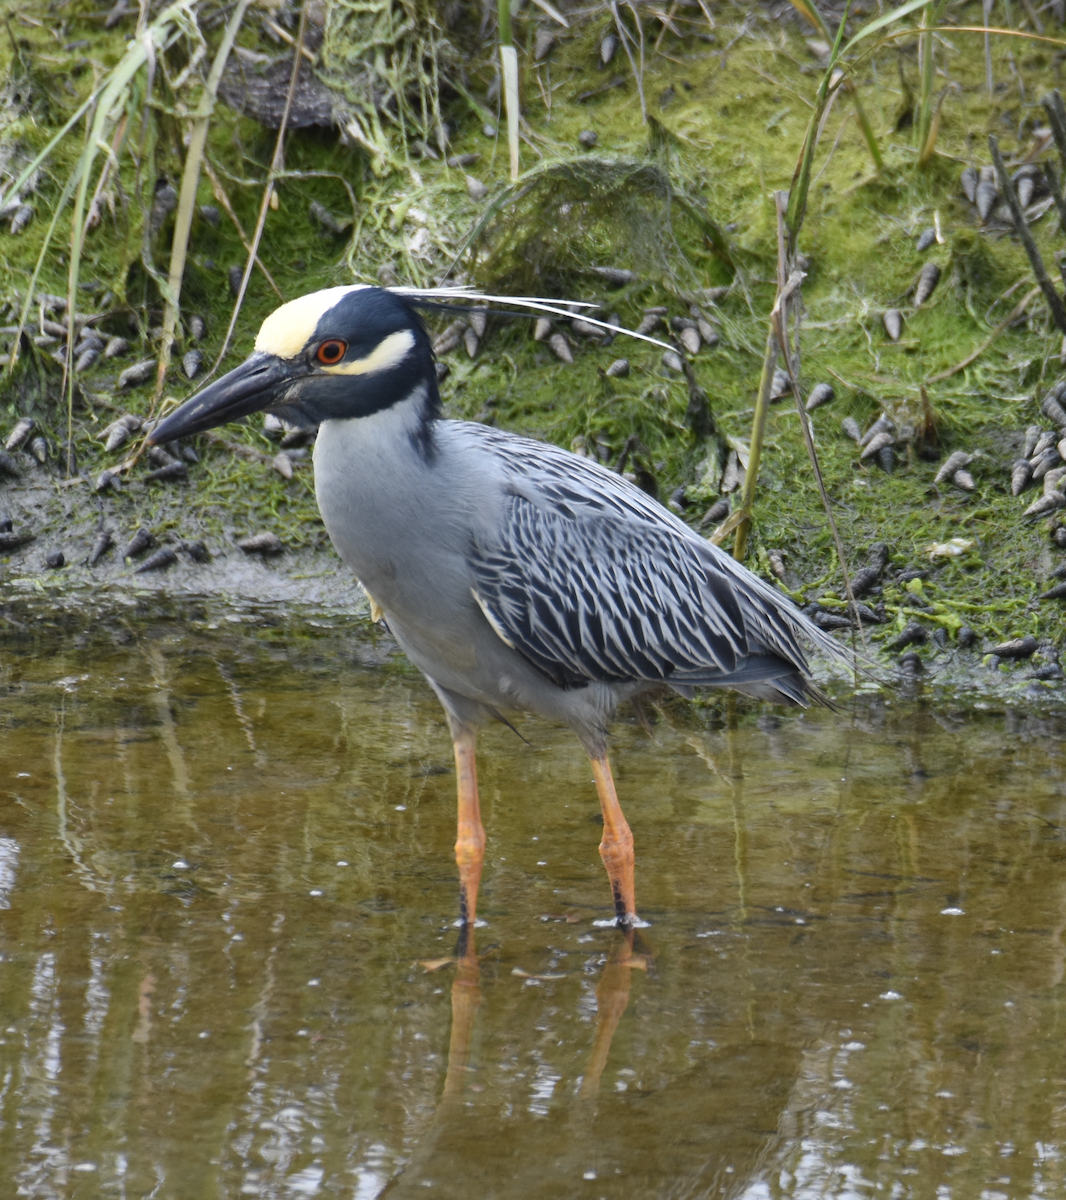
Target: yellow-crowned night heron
515 575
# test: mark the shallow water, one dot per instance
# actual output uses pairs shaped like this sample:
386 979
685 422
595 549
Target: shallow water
226 847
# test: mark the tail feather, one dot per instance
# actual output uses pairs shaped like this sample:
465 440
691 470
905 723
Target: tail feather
763 677
795 692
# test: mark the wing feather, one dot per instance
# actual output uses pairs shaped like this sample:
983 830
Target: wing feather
606 600
592 580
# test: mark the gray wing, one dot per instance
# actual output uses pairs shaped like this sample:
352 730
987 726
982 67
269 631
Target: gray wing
608 587
590 579
595 599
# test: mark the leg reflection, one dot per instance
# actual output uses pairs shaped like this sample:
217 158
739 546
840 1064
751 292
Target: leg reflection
452 1140
466 1000
433 1154
612 998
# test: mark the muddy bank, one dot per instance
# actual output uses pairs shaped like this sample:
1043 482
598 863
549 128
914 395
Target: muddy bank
180 544
310 599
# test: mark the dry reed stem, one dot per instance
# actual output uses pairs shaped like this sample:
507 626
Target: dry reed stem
785 287
1056 114
268 190
222 197
190 182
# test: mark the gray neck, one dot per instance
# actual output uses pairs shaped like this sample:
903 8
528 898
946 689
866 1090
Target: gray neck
374 476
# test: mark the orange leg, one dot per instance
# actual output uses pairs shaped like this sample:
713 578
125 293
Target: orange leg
616 847
470 842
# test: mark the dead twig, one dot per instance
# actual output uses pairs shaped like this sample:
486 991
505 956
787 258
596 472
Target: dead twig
1055 184
779 317
287 38
812 454
1054 300
1056 115
625 37
223 198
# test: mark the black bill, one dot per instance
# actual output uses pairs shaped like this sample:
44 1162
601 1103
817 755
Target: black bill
259 382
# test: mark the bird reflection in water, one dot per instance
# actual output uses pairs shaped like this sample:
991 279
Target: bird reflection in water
628 952
612 999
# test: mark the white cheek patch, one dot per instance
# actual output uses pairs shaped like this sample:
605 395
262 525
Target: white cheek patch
386 354
286 332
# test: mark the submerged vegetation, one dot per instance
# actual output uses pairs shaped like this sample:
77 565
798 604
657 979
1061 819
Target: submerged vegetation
686 167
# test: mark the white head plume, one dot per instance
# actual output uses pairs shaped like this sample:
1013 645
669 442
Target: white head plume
466 295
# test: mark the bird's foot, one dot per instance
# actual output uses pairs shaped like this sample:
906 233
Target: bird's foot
436 964
623 921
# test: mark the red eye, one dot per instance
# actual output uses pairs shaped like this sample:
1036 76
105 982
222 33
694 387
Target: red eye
331 352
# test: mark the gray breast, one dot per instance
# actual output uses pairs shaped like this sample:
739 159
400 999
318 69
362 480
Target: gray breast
404 522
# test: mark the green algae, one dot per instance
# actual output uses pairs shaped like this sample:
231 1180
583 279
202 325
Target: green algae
729 110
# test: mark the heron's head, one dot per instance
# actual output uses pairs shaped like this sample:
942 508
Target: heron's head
343 352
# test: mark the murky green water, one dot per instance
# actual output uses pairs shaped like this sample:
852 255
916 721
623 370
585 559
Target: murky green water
224 851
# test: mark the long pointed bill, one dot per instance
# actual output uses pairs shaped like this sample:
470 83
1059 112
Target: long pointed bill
253 386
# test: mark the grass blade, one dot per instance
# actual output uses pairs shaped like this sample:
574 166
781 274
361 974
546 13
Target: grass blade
812 15
801 179
159 35
818 21
928 147
925 85
81 111
879 23
868 133
511 100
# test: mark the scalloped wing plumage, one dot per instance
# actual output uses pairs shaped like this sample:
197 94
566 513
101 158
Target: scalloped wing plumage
597 600
591 580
